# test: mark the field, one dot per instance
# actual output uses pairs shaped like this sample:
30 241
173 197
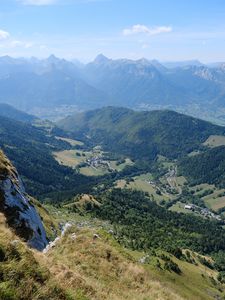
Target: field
71 158
144 183
216 204
214 198
193 153
91 171
179 207
215 141
93 162
70 141
120 167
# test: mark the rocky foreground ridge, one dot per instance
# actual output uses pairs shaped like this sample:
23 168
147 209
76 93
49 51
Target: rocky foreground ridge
15 204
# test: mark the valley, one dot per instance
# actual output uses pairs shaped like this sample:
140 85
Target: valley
112 150
162 180
135 217
90 163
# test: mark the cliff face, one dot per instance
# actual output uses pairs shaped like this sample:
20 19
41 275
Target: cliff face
19 211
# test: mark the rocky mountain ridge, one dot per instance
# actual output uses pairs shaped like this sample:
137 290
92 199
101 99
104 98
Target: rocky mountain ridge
17 207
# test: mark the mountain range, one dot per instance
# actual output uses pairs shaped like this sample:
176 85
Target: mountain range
56 87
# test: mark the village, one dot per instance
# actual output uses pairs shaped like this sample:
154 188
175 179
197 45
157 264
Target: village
205 212
97 161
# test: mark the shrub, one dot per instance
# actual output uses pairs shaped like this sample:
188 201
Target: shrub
172 266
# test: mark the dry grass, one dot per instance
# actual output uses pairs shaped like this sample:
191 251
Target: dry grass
70 141
84 267
22 277
6 168
101 271
83 203
68 158
215 141
50 224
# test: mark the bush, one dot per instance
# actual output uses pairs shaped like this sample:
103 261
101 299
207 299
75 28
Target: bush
172 266
206 262
2 254
177 252
7 292
221 277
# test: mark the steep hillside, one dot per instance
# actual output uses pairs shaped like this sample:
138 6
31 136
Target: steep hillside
15 114
22 276
18 209
30 149
205 167
142 224
93 259
82 267
99 257
142 135
102 269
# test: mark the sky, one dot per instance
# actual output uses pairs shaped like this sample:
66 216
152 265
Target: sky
166 30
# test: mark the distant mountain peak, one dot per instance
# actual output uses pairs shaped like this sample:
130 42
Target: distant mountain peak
183 64
222 66
52 59
144 61
101 59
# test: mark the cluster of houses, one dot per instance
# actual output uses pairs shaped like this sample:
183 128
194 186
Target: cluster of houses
205 212
97 161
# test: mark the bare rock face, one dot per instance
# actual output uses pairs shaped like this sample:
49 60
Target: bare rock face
16 205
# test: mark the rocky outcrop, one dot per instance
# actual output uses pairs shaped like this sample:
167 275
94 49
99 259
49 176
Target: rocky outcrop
17 207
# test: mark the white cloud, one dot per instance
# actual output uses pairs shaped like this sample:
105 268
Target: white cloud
145 46
28 45
143 29
43 47
16 43
37 2
4 34
19 44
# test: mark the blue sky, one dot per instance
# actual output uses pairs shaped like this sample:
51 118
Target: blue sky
162 29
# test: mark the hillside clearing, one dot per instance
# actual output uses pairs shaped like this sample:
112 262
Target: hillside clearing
215 141
72 142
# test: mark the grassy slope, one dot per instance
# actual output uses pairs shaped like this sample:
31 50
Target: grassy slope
50 223
22 277
215 141
102 269
83 268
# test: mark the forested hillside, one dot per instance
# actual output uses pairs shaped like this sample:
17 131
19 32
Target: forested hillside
207 167
142 135
15 114
142 224
30 149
